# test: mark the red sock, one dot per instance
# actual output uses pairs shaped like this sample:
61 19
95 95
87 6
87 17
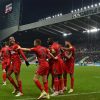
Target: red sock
13 82
20 86
56 84
72 82
4 76
37 82
46 87
61 84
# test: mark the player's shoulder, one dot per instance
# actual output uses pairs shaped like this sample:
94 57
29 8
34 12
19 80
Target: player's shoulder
1 49
17 45
73 48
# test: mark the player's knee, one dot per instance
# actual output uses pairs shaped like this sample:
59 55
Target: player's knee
44 80
35 79
4 70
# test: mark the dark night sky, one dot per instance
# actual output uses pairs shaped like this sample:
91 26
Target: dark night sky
34 10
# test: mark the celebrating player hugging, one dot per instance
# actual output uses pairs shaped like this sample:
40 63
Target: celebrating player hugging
55 60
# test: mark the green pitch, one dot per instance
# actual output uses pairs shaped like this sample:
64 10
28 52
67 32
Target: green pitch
87 85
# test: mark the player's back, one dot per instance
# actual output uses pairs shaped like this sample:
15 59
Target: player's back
42 53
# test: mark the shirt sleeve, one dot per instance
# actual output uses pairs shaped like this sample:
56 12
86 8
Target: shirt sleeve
22 54
33 49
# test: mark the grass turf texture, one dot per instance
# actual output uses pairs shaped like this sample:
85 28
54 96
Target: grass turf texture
87 85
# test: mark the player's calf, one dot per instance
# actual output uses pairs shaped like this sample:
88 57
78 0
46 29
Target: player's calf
4 77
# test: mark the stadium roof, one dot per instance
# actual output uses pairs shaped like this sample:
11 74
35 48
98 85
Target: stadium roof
81 20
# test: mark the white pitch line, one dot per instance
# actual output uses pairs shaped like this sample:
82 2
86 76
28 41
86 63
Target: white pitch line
79 94
76 94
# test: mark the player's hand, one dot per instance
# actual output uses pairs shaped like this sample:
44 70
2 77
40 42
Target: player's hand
27 63
56 58
18 48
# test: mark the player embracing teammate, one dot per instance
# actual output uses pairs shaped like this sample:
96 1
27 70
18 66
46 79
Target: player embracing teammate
57 67
60 63
61 66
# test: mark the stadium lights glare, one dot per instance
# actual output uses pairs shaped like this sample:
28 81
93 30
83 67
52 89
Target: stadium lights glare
75 10
92 30
53 16
88 7
85 8
92 6
60 14
64 34
96 5
48 18
72 11
81 9
78 10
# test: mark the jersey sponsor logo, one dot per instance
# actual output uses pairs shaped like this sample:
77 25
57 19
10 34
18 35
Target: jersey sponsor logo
13 52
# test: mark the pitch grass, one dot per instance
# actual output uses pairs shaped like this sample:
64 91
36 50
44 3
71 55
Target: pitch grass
87 81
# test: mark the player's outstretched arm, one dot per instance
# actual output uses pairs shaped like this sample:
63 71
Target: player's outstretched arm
53 56
25 49
23 55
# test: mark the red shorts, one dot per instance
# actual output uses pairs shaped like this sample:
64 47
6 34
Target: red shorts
15 67
6 64
69 67
43 69
57 67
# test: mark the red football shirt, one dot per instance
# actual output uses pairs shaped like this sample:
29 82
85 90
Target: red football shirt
72 59
5 52
15 53
41 53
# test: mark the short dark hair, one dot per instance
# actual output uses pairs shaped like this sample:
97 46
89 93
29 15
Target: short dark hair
4 44
38 41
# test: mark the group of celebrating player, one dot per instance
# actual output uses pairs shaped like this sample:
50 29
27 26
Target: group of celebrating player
55 60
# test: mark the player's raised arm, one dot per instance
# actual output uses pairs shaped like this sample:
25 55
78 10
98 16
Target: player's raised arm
67 49
68 56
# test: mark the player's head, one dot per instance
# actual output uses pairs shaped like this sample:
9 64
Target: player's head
68 44
12 40
37 42
4 44
50 41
